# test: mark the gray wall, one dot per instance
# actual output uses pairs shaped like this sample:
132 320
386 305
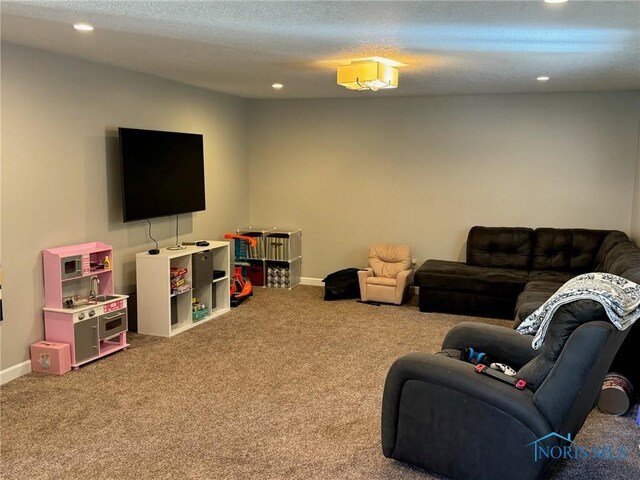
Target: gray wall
423 170
349 172
60 171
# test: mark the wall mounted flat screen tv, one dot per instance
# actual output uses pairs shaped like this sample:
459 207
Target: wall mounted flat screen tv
162 173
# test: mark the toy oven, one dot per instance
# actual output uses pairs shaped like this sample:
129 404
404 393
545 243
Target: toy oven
112 324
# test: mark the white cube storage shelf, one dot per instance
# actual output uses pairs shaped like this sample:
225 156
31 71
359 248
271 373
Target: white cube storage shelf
163 312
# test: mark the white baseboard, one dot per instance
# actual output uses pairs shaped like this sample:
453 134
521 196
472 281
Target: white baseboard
316 282
14 372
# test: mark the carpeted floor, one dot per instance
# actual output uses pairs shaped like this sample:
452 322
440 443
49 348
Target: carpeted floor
284 387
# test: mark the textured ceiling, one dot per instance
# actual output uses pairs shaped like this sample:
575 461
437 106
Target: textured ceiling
449 47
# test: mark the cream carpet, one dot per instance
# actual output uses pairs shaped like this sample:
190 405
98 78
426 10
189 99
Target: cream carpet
286 386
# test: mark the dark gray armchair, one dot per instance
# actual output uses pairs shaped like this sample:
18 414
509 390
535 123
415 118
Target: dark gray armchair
440 414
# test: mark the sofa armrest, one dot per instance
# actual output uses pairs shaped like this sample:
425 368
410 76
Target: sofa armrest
405 276
501 343
362 280
403 280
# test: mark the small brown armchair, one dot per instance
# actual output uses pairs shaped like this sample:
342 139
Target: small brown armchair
389 274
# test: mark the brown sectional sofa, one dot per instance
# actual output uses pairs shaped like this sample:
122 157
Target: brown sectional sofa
511 271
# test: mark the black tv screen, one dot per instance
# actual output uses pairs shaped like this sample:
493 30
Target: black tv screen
162 173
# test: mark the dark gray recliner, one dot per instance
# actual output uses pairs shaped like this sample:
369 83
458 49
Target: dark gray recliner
439 414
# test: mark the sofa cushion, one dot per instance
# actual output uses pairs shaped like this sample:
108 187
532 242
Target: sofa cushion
387 259
550 276
614 238
543 286
383 281
458 276
526 305
567 249
633 272
534 295
624 260
501 247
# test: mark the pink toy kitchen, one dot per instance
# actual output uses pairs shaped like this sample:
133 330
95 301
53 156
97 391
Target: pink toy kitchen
80 307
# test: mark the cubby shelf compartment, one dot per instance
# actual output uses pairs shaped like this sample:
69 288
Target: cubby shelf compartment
163 313
276 260
283 273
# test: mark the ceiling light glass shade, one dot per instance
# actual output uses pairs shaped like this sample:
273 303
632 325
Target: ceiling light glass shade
367 75
83 27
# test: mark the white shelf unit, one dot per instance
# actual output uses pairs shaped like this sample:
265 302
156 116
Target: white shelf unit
276 262
165 314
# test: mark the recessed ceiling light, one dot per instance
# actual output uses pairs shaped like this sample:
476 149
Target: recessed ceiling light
277 86
83 27
542 78
555 1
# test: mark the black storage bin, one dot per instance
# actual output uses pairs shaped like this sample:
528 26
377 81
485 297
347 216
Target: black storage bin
132 312
174 310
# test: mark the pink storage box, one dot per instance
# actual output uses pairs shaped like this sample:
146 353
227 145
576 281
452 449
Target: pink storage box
50 357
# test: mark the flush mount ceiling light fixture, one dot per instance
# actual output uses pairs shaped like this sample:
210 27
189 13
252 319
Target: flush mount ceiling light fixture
367 75
83 27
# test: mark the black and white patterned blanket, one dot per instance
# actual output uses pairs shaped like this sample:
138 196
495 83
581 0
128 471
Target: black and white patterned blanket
619 297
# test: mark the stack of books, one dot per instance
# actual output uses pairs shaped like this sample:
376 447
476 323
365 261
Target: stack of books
258 250
199 310
178 282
